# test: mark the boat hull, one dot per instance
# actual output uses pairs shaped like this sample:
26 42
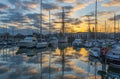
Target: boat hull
42 45
27 44
113 62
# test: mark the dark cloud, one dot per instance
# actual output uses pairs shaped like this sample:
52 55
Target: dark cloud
13 17
91 21
49 6
1 12
88 16
3 6
59 14
24 5
16 17
33 16
117 17
5 20
69 20
76 21
68 7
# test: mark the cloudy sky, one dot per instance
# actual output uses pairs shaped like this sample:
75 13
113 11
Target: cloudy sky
23 16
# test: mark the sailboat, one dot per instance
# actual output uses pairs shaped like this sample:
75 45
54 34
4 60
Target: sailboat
42 43
88 43
62 37
95 51
113 55
53 41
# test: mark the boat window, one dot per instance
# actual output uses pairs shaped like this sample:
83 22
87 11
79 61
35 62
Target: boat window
34 40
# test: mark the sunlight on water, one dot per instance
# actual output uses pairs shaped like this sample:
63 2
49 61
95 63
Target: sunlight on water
83 52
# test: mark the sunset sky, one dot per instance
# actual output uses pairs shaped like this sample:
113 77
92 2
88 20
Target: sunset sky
24 15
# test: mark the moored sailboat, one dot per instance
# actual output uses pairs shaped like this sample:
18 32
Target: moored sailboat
113 57
42 43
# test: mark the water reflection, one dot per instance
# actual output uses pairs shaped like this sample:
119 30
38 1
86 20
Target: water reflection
109 72
113 73
63 62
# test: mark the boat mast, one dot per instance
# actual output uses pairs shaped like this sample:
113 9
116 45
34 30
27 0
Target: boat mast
13 29
49 22
63 62
49 64
119 28
6 33
114 26
40 19
63 21
88 27
96 20
41 37
62 31
105 29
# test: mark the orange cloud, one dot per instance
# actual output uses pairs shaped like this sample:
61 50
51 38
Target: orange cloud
79 6
112 3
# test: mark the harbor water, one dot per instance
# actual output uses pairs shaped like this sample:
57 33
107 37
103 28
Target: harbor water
62 62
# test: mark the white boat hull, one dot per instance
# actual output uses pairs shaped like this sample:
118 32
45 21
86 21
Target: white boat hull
94 53
28 42
42 45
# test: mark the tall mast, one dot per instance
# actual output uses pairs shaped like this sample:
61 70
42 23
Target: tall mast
63 22
41 37
49 23
119 28
114 26
105 29
41 19
96 20
7 33
88 27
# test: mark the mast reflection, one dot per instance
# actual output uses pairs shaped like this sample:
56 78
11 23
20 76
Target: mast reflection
62 48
